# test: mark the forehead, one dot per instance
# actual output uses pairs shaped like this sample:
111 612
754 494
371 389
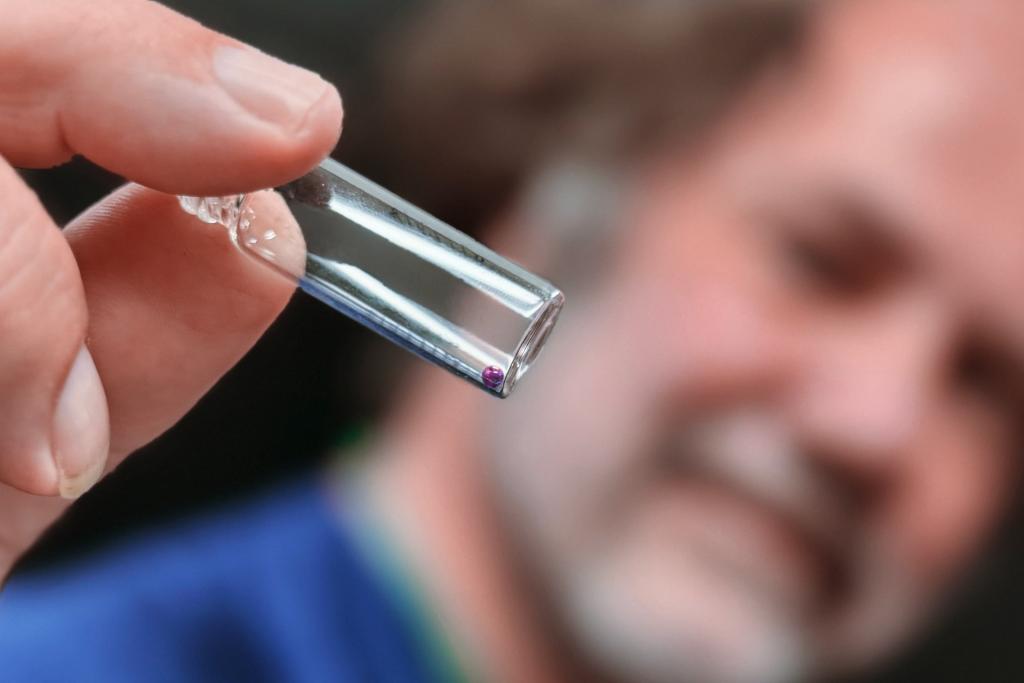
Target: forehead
913 107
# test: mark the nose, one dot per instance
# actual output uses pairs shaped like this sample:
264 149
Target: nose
865 382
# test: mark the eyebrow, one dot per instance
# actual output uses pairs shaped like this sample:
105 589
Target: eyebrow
857 219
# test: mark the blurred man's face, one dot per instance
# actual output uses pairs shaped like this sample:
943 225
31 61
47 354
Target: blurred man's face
783 422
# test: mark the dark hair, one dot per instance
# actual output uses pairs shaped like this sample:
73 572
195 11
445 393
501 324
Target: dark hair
477 94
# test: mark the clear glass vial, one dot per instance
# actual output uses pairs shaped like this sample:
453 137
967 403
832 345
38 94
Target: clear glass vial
397 270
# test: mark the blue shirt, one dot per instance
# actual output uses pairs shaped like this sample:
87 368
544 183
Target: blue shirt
277 589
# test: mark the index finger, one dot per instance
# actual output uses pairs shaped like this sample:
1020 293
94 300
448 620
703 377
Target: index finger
155 97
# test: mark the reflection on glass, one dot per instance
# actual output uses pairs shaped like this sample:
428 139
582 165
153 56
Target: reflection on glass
397 270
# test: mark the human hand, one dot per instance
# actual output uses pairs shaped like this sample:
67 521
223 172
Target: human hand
112 330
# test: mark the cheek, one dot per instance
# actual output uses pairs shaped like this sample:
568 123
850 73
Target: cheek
957 484
717 325
574 431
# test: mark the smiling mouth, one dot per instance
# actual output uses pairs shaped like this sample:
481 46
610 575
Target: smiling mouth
819 552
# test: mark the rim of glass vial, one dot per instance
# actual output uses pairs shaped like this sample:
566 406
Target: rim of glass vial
532 342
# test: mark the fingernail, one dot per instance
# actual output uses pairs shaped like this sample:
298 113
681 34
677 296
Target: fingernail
81 431
272 90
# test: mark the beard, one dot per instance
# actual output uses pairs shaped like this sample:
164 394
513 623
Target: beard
652 595
706 630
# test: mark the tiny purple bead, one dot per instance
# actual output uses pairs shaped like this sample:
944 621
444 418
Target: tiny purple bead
492 376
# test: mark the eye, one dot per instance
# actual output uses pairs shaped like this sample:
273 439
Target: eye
983 373
822 268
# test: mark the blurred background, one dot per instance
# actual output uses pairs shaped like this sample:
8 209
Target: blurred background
316 381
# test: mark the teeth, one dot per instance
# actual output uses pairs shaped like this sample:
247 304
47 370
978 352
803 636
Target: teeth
753 454
729 552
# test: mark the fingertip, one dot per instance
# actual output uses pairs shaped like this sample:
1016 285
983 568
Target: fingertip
295 155
33 472
293 120
294 152
191 112
81 434
323 126
261 158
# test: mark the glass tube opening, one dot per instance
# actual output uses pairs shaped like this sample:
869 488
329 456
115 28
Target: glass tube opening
533 341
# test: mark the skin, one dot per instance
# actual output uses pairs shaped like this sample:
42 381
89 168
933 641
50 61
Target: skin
112 330
774 430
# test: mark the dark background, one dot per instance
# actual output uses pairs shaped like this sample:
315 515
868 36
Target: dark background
308 387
